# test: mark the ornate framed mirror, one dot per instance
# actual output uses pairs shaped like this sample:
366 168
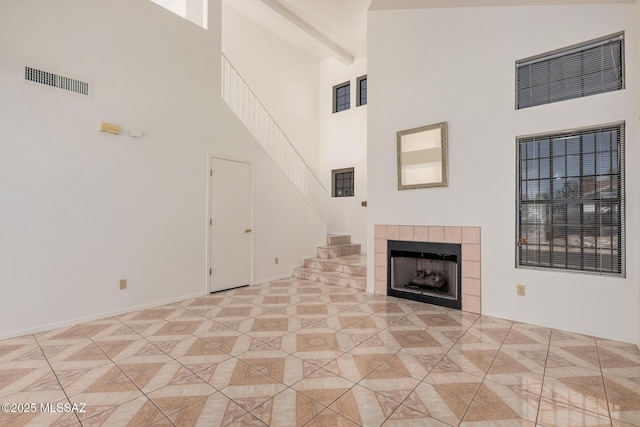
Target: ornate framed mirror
422 157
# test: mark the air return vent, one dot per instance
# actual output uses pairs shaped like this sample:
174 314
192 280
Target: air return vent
56 80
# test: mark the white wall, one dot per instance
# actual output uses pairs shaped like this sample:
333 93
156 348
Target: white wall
82 209
343 144
457 65
193 10
284 78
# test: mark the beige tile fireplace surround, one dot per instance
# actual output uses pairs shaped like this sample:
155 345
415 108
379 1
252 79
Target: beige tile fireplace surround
468 237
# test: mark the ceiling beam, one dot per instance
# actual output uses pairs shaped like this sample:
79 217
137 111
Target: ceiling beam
338 52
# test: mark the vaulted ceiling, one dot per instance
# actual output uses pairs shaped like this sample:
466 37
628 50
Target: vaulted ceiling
323 28
338 28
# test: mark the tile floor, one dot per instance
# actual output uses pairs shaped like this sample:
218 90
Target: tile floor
295 352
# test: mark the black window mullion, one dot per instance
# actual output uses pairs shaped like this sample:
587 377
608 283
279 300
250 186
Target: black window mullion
581 195
565 190
551 236
612 144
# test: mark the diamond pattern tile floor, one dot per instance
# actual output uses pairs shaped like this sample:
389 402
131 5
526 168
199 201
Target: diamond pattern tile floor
301 353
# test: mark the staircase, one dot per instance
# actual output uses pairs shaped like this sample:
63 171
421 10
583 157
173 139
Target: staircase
338 263
246 105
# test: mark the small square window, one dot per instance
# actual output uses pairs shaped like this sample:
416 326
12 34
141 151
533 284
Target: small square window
342 97
343 182
362 91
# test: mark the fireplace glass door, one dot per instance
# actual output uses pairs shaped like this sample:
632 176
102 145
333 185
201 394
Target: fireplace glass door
425 271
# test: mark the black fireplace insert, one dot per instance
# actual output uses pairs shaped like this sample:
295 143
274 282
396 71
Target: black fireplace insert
425 271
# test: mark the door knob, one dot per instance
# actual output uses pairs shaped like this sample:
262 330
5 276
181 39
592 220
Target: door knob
247 230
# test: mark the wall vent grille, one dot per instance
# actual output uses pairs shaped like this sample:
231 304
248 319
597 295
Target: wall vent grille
56 80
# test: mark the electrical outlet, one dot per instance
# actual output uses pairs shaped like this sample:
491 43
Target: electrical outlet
276 261
520 290
123 284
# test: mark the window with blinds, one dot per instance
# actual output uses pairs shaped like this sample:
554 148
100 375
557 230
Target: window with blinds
571 200
573 72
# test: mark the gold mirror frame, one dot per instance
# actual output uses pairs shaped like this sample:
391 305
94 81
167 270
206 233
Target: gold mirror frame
422 157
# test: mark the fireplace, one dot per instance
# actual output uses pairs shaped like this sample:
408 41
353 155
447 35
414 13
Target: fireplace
469 263
425 271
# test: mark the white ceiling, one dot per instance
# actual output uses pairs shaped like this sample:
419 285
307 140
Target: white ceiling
338 28
322 28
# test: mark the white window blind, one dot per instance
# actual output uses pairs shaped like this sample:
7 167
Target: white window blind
587 69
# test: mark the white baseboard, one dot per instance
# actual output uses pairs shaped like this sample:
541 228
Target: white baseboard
102 315
577 330
273 279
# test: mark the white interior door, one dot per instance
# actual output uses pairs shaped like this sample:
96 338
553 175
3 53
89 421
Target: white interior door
230 224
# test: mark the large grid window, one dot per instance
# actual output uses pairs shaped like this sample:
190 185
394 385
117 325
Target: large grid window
341 97
571 200
587 69
343 182
362 91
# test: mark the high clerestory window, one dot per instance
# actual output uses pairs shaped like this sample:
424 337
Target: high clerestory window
581 70
341 97
362 91
570 213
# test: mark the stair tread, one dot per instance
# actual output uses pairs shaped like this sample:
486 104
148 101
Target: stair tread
338 246
339 262
331 273
356 259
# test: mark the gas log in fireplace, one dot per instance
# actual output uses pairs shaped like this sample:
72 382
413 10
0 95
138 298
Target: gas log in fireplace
425 271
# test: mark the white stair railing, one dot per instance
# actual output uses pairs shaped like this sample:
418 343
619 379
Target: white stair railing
257 119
